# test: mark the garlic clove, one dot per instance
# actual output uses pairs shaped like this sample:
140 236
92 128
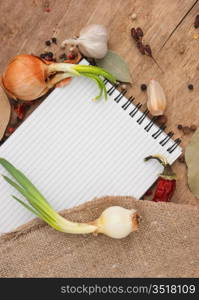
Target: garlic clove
95 32
156 102
117 222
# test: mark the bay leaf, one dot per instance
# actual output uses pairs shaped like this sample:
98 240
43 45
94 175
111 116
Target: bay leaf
116 65
5 111
192 161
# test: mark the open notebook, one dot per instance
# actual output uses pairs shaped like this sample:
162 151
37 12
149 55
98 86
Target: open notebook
74 149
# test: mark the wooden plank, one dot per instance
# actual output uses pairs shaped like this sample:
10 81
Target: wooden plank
25 26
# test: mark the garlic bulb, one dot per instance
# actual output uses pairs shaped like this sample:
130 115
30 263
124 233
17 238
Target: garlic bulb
92 41
117 222
28 77
156 98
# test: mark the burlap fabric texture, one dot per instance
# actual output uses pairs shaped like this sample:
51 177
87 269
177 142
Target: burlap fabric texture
166 245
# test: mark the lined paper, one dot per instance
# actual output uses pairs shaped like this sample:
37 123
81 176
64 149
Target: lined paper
74 149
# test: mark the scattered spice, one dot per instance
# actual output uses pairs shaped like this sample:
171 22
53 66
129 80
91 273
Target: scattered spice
20 110
180 127
143 87
47 56
186 130
140 32
63 56
181 49
137 34
71 55
166 183
193 127
54 40
48 43
11 129
181 158
190 86
161 120
196 23
133 16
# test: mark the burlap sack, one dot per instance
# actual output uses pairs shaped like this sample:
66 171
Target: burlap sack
166 245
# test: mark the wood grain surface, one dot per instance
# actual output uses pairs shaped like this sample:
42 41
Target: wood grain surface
168 26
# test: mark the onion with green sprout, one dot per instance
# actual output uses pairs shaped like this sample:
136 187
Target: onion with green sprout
115 221
28 77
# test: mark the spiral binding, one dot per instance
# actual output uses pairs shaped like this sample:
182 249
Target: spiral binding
148 127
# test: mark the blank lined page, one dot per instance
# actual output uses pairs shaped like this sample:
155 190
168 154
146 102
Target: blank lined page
74 149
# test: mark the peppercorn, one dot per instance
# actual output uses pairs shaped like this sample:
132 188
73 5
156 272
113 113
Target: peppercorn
54 40
50 54
181 158
161 120
143 87
190 86
48 43
186 130
193 127
180 127
63 56
196 23
43 55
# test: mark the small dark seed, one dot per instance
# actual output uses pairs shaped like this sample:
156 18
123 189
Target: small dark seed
190 86
42 55
50 54
143 87
63 56
196 23
161 120
180 127
186 130
193 127
48 43
54 40
181 158
139 32
134 34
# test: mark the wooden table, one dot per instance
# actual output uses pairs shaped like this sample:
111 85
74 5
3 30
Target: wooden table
168 27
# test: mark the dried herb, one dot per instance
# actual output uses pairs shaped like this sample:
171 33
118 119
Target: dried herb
115 64
137 34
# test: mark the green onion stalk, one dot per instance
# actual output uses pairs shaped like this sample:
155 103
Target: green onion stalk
115 221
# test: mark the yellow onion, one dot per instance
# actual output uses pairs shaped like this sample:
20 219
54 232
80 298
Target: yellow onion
27 77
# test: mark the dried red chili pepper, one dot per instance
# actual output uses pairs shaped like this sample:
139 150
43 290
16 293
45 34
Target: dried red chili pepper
166 183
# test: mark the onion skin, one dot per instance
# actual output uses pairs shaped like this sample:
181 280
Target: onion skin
25 76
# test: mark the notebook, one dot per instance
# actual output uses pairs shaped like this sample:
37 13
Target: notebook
74 149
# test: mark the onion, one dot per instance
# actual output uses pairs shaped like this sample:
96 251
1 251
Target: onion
28 77
116 222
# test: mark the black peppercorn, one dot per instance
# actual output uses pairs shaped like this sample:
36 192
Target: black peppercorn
63 56
54 40
48 43
180 127
43 55
143 87
49 54
190 86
